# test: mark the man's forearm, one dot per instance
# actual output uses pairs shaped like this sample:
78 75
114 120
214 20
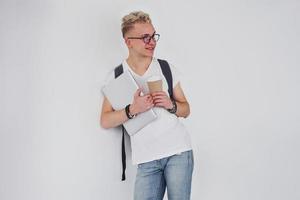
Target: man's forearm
113 118
183 109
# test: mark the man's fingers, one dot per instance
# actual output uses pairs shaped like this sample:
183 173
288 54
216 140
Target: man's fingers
159 96
158 101
158 93
159 104
138 92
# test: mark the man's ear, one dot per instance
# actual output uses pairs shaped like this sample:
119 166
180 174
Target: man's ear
127 42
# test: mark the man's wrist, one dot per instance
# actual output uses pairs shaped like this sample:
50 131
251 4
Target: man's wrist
173 110
129 113
132 110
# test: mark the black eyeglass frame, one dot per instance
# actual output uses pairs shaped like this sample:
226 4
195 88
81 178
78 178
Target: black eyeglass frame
147 38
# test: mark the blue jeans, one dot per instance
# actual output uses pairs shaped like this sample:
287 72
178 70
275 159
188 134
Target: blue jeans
173 172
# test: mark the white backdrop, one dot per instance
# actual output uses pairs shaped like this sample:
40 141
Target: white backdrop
240 61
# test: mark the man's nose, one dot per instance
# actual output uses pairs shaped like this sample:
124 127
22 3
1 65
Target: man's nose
152 41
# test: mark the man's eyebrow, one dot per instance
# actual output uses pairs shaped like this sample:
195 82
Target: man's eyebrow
147 34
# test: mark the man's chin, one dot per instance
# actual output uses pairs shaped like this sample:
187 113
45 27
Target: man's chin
149 55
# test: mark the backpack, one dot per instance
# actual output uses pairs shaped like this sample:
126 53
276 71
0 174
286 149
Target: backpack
166 70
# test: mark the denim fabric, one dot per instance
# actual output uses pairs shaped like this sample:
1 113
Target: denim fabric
173 172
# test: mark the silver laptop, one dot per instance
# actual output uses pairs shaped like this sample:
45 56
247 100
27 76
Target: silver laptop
120 92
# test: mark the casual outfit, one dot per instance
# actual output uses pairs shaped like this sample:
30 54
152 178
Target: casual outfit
162 149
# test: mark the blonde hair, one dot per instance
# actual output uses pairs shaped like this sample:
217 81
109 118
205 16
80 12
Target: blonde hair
132 18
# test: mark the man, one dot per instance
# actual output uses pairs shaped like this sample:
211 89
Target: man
162 149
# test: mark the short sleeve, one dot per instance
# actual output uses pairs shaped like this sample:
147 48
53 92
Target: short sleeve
110 76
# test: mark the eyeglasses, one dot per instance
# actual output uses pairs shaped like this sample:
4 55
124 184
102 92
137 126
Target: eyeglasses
147 38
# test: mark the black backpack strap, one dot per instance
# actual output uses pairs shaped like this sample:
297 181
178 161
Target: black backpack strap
123 154
166 70
118 72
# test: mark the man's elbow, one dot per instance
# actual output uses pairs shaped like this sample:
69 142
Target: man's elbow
184 111
188 111
187 114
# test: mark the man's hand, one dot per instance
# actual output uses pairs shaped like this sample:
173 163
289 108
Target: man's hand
141 103
161 99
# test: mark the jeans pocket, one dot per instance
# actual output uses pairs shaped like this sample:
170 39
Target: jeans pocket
146 165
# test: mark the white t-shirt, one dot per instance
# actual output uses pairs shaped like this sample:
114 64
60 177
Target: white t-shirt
166 135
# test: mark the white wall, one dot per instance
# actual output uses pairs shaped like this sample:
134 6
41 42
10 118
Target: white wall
240 61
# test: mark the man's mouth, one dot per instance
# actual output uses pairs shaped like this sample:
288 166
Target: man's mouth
150 48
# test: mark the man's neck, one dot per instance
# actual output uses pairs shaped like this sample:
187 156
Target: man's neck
139 64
